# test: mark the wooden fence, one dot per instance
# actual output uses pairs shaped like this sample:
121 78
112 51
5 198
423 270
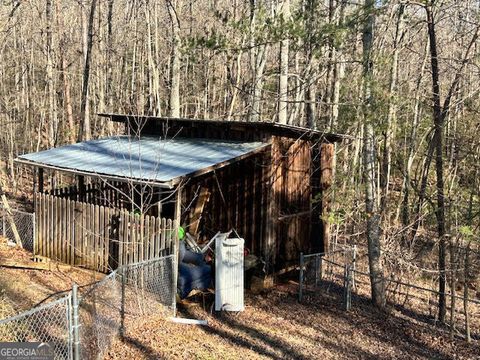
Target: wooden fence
98 237
107 193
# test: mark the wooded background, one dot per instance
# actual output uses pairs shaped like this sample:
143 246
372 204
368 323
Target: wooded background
399 77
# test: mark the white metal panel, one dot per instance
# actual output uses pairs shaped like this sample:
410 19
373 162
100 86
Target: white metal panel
229 274
147 158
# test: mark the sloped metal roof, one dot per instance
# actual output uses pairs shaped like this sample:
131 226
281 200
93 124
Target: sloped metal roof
147 159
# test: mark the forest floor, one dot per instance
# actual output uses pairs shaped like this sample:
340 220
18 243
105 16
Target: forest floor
22 288
274 325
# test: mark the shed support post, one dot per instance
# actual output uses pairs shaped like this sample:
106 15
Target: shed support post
81 188
40 180
178 223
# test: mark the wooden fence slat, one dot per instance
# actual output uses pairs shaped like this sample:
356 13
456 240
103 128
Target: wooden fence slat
96 238
39 226
78 233
86 235
167 238
133 239
61 221
152 238
91 236
68 225
106 236
146 249
77 245
50 233
83 238
159 238
47 225
121 236
141 233
101 238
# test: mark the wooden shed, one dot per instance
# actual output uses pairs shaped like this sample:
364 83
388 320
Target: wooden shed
264 180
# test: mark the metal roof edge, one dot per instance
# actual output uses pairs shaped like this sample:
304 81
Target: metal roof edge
330 137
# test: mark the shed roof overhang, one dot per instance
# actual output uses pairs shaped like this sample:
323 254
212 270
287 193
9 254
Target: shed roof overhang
147 160
274 128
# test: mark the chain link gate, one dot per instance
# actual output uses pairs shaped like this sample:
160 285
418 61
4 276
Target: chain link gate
50 323
82 324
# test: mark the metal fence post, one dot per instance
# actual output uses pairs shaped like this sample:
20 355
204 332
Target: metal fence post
122 303
76 324
70 326
347 293
174 285
354 265
34 235
300 281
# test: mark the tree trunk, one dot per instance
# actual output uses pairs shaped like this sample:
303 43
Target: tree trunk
175 61
257 63
438 143
392 112
466 281
310 67
373 218
412 140
52 110
283 78
85 129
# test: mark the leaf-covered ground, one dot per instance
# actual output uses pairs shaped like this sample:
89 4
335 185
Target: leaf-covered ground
274 325
24 288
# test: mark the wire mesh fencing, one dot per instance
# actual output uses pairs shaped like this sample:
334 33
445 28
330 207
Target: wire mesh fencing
24 224
50 323
340 275
319 271
100 316
149 287
83 324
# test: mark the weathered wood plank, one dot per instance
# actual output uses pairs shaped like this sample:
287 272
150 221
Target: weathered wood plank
97 236
121 237
162 229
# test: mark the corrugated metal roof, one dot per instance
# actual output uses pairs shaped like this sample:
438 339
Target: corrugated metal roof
146 159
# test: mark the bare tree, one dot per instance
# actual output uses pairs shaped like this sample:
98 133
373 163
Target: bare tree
370 175
85 131
283 78
175 60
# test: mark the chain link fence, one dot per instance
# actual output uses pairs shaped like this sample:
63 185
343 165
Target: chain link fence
83 324
49 323
100 316
25 224
319 271
343 277
150 287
